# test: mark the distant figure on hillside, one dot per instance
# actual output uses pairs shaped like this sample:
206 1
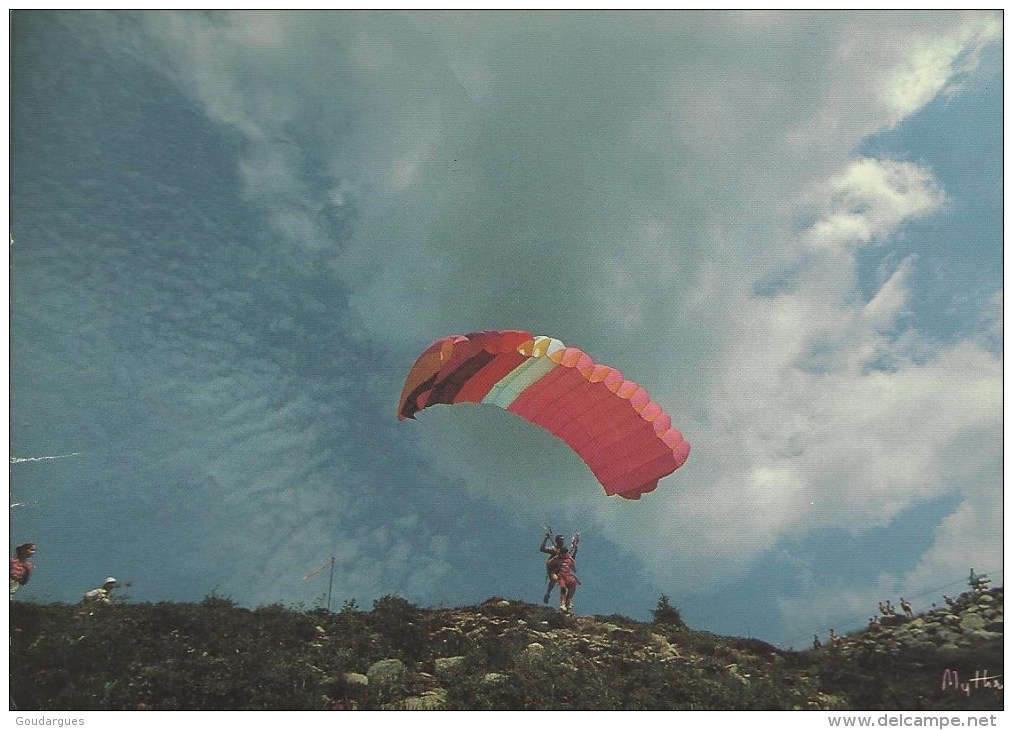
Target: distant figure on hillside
882 609
102 594
890 610
874 624
978 583
906 607
817 644
21 566
950 601
832 639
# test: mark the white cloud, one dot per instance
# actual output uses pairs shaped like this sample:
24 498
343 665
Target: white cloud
933 64
970 537
992 320
882 310
871 198
874 78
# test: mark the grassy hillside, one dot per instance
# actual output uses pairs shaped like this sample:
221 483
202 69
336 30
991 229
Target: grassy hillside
497 655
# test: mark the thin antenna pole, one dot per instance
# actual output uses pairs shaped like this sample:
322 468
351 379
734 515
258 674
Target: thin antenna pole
330 586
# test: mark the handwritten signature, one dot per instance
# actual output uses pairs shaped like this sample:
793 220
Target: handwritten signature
981 680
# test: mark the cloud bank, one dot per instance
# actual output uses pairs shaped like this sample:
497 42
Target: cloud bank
680 194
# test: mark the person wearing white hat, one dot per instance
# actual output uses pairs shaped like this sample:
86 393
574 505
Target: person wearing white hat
102 593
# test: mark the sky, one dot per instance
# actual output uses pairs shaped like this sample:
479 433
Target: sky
232 233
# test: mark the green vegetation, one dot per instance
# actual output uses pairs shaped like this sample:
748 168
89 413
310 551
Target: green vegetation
498 655
666 613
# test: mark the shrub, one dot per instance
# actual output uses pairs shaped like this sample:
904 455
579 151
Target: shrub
402 624
667 614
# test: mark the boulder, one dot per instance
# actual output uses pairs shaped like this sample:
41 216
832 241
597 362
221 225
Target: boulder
434 699
972 622
386 672
446 663
534 649
985 635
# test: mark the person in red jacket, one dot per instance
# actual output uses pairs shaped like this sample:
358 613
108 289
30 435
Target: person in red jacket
567 579
21 566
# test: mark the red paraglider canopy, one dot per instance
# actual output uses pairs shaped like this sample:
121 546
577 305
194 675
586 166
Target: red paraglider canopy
626 439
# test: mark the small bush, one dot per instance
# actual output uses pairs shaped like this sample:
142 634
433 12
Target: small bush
667 614
402 624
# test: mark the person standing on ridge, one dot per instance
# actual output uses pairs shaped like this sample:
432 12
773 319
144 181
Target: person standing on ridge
21 566
552 563
567 576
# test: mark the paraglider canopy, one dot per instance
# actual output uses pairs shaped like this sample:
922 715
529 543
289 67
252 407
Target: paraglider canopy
625 438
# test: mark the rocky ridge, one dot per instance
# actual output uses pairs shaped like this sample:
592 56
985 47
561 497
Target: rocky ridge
975 619
818 680
500 655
